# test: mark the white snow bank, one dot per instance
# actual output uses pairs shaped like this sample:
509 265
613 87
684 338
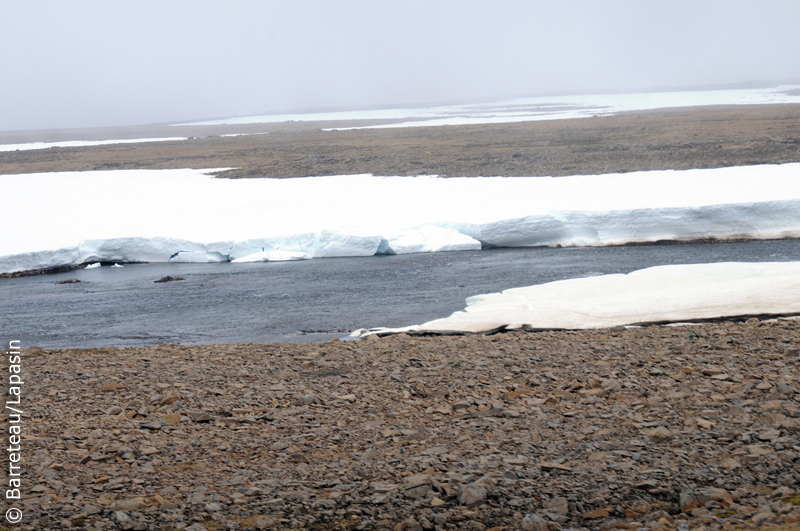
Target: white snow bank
185 215
197 257
273 256
530 109
241 134
84 143
768 219
655 295
430 239
322 244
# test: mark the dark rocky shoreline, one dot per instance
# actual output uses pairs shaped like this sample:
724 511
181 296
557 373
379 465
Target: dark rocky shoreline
656 428
35 272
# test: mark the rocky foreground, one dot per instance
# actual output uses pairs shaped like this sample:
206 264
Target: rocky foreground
657 428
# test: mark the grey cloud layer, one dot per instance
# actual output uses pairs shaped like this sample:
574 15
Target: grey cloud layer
101 63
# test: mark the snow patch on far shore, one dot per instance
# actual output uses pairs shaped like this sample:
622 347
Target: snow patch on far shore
84 143
529 109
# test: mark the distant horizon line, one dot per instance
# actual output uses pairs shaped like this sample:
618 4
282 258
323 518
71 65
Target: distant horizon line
737 85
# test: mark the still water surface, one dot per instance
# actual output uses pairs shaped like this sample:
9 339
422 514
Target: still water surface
309 300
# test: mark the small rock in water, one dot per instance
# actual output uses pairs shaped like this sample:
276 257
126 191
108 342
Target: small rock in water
168 279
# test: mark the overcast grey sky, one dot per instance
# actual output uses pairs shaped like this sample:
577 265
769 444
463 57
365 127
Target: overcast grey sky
97 63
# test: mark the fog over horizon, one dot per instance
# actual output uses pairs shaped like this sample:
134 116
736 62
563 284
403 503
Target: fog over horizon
95 63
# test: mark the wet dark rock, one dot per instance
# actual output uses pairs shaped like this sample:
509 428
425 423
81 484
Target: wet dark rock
168 279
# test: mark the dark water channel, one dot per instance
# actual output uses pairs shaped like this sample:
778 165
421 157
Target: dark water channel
309 300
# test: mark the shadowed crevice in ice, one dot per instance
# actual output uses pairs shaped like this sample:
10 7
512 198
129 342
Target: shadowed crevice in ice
185 215
663 294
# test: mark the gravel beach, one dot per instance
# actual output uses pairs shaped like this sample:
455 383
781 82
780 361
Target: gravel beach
657 428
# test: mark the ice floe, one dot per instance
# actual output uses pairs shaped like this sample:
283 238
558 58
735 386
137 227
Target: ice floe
186 215
84 143
530 109
673 293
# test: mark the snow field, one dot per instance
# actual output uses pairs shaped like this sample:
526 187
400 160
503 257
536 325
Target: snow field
83 143
654 295
531 109
188 216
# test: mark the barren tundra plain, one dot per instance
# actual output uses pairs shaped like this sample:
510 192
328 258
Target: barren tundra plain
678 139
659 428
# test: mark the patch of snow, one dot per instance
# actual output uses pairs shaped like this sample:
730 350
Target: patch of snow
331 244
135 249
430 239
273 256
321 244
673 293
373 114
531 109
617 227
241 134
197 257
84 143
299 243
186 215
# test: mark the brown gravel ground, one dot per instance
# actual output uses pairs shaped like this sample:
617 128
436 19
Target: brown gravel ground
657 428
704 137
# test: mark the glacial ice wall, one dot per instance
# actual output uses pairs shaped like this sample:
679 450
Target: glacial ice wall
188 216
